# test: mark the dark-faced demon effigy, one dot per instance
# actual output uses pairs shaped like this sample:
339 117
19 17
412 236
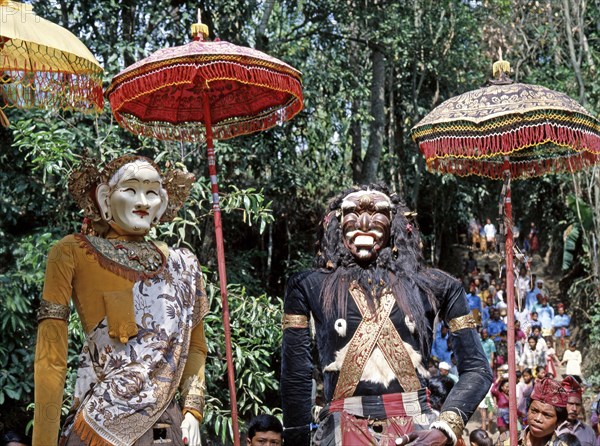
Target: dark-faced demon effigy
373 305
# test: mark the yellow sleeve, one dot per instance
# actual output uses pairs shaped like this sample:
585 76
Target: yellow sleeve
49 375
50 365
192 382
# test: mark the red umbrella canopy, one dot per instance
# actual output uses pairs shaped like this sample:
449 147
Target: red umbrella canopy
163 95
538 129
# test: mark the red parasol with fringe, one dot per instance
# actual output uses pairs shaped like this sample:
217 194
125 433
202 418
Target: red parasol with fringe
509 131
203 91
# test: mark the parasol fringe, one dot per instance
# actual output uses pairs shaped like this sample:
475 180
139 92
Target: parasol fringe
76 84
518 170
196 132
28 89
184 72
477 145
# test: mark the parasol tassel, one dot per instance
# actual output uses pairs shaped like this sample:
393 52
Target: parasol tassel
4 122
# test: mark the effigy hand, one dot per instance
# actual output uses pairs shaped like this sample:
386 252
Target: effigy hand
431 437
190 430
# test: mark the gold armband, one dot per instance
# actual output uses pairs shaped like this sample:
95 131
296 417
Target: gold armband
194 404
50 310
192 396
458 323
294 321
453 420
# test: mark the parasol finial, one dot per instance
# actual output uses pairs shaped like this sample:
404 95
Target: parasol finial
500 66
199 30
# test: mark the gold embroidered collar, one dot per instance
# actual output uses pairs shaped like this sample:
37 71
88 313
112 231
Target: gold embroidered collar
136 259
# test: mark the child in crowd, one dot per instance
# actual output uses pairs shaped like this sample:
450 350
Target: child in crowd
524 389
573 359
540 373
480 437
535 323
500 394
551 359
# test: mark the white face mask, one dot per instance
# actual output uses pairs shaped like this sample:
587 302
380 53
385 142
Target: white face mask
135 198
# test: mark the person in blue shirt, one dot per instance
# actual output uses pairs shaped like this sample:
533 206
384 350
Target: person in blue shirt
531 300
474 303
485 314
546 314
495 325
441 348
489 347
561 322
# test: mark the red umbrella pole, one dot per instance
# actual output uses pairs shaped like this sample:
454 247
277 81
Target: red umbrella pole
212 171
510 298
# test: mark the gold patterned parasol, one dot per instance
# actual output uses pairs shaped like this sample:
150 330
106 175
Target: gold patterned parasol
541 130
511 131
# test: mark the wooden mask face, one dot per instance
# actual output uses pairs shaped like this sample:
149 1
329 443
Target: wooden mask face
366 224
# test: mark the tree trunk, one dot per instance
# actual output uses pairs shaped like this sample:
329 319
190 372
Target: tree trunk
377 127
262 43
128 27
356 143
392 139
575 62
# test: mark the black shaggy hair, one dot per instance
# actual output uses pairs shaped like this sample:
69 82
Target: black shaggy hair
399 266
264 423
439 388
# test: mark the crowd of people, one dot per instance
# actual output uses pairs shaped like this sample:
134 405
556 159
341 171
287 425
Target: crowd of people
547 359
483 237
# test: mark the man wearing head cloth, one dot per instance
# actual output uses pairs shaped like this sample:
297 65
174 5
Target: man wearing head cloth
546 411
373 304
141 305
573 425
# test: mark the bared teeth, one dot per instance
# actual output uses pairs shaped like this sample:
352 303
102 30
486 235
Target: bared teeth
364 240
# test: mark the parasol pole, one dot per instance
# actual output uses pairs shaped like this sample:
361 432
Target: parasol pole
510 298
212 172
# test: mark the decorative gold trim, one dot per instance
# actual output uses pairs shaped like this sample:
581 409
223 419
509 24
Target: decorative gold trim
375 329
50 310
194 402
459 323
294 321
192 394
112 257
201 306
453 420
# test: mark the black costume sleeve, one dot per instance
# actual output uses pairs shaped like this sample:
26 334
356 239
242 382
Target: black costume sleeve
475 375
296 367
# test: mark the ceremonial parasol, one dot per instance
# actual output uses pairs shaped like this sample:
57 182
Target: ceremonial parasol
44 65
203 91
509 130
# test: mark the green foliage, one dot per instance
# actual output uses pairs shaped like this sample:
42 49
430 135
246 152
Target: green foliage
572 234
256 347
582 211
20 288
